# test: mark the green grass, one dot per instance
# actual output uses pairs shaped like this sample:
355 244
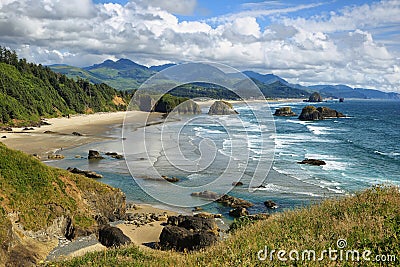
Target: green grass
369 220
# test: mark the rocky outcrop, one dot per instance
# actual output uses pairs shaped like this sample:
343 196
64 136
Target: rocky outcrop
311 113
145 102
315 162
76 134
237 184
110 236
315 97
170 179
140 219
188 233
55 156
206 194
221 108
270 204
284 112
238 212
188 107
89 174
115 155
234 202
93 154
330 113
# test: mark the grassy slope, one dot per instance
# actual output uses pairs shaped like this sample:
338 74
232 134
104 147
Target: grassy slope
369 220
41 193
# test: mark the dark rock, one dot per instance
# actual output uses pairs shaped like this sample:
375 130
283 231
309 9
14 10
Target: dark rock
115 155
310 113
6 129
315 162
197 208
330 113
206 194
110 236
28 129
284 111
93 154
315 97
208 215
188 107
181 239
270 204
221 108
234 202
48 132
341 100
77 134
170 179
44 123
4 136
188 233
237 183
238 212
89 174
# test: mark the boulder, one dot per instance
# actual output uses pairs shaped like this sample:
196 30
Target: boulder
208 215
76 134
181 239
6 129
89 174
315 162
93 154
234 202
310 113
238 212
115 155
330 113
221 108
237 184
206 194
315 97
188 233
284 111
110 236
4 136
270 204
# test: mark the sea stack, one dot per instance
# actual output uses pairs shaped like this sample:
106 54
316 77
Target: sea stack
222 108
315 97
284 112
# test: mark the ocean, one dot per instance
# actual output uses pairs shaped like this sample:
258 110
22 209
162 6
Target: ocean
210 152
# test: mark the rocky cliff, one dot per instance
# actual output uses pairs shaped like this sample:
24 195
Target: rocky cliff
40 205
221 108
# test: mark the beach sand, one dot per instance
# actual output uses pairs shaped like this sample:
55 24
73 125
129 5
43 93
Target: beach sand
93 127
146 234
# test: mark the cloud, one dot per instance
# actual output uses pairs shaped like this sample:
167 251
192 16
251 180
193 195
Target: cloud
340 47
181 7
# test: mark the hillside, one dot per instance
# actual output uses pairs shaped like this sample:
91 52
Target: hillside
29 92
369 220
125 74
39 199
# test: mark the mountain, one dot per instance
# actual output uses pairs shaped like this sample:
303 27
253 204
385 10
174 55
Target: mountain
125 74
29 92
338 91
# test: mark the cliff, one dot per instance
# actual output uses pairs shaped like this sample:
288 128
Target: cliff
40 204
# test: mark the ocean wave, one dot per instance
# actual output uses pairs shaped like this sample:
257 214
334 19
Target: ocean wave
319 130
392 155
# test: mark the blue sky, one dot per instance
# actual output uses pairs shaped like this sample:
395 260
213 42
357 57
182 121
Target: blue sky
309 42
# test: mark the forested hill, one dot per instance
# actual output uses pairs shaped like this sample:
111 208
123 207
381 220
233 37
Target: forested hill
29 92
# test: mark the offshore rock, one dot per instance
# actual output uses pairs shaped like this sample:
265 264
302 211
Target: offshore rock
222 108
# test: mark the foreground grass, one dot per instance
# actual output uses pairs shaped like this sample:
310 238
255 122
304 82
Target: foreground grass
369 220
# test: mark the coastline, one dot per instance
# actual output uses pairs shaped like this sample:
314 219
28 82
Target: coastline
49 139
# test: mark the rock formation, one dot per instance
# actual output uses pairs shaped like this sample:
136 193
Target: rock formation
311 113
234 202
89 174
315 97
93 154
270 204
111 236
238 212
188 107
221 108
284 112
206 194
315 162
188 233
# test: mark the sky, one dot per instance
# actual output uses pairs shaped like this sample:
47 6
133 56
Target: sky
356 43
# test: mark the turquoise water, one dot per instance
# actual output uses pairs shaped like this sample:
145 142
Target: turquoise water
360 150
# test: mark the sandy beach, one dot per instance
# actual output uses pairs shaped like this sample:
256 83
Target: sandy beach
59 134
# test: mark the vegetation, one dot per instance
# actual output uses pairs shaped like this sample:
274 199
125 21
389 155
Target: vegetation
168 103
29 92
369 220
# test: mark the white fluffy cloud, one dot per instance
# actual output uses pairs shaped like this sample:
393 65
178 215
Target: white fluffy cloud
335 48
